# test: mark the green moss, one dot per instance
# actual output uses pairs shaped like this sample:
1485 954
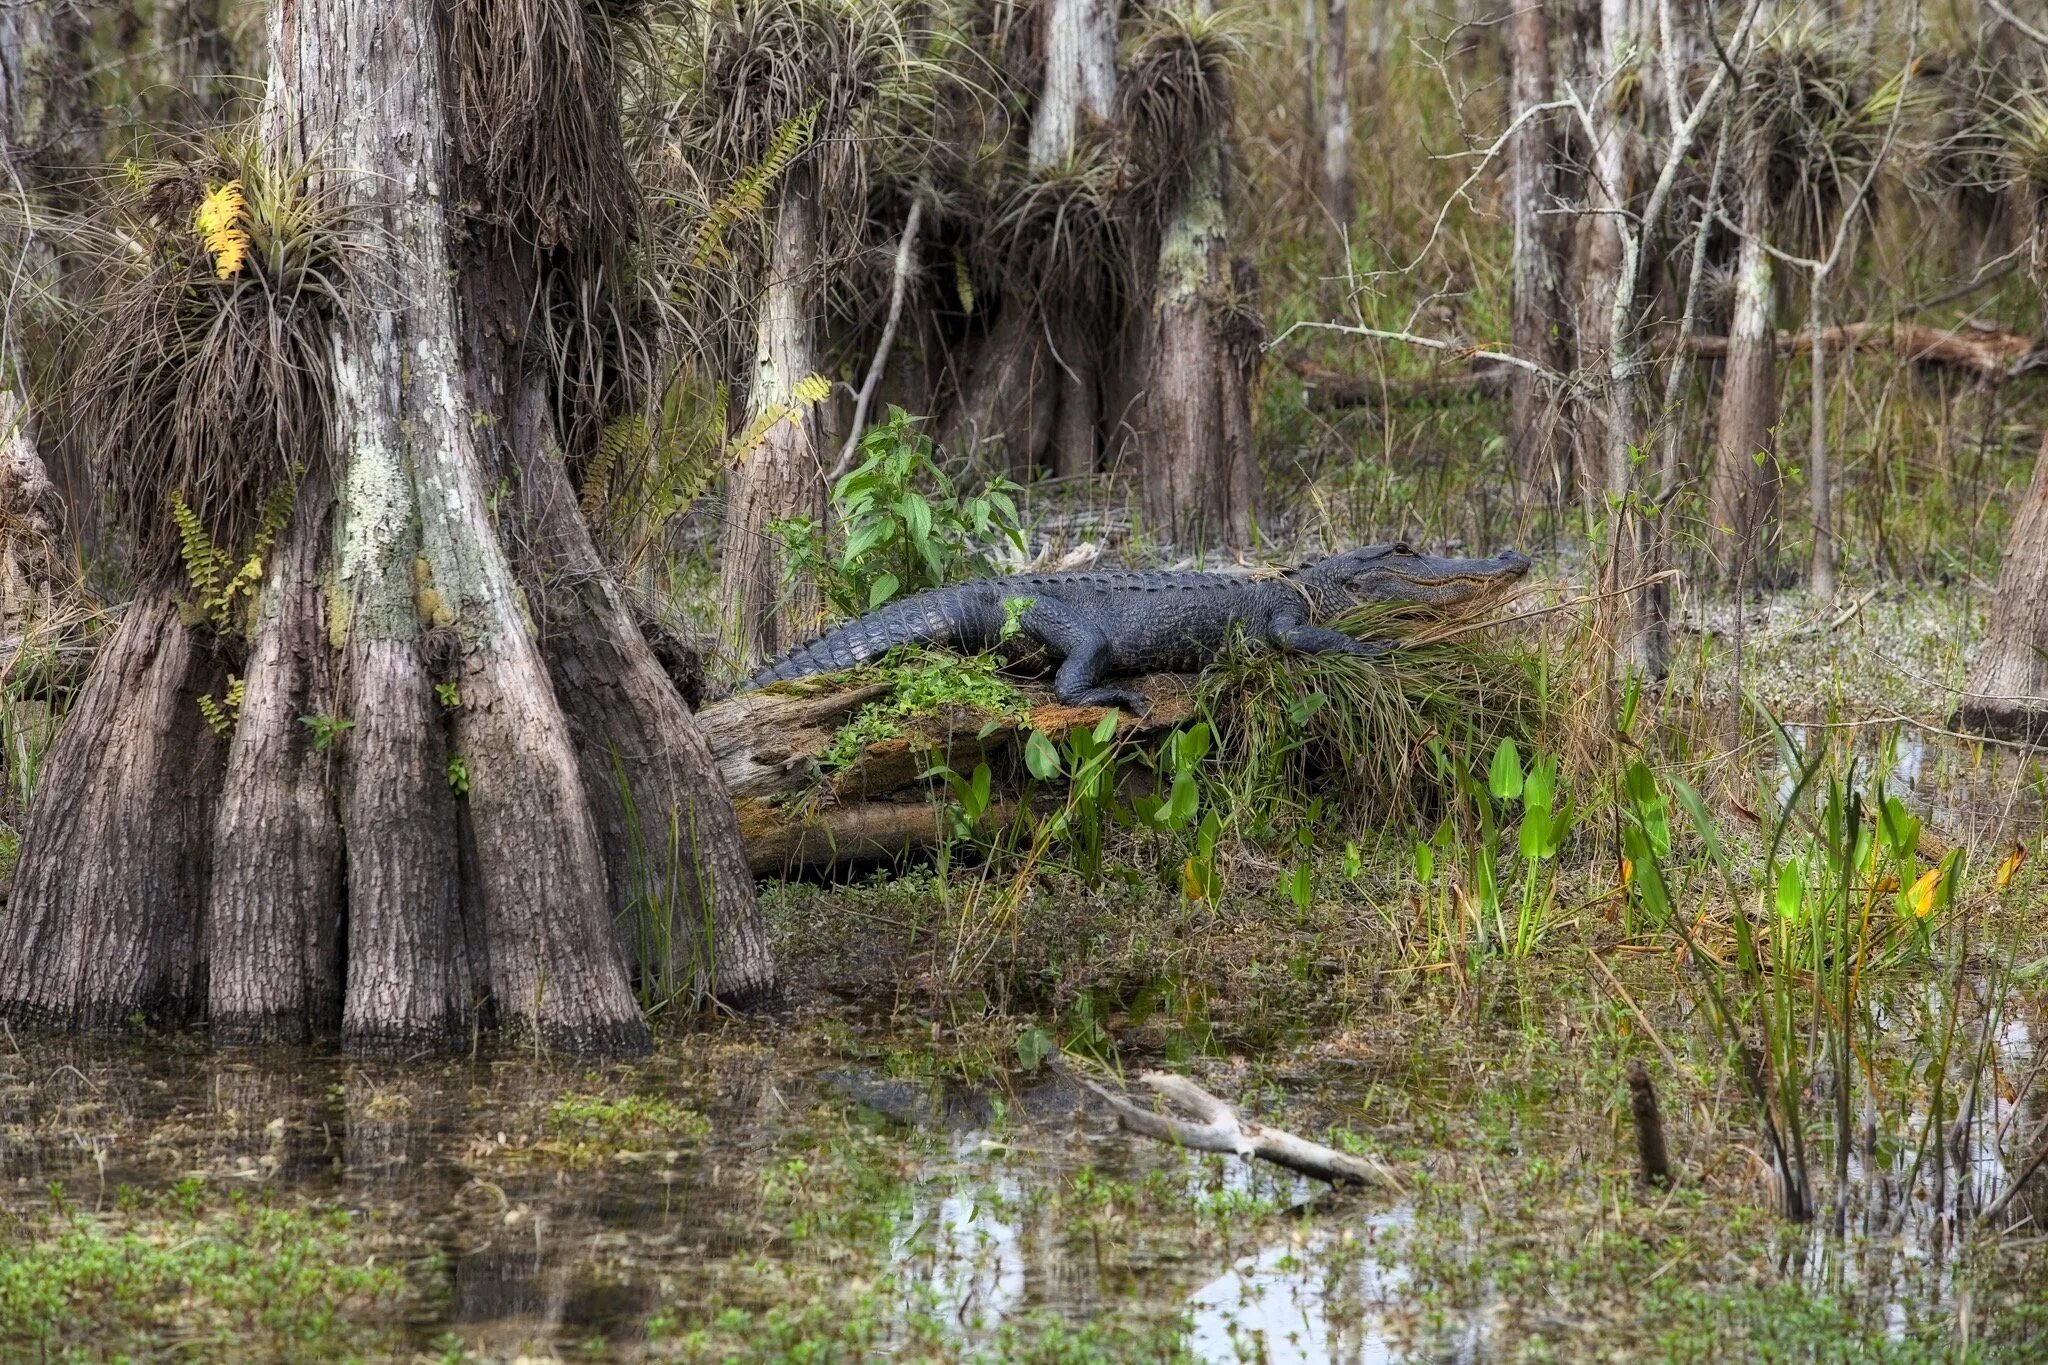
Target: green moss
221 1277
622 1117
923 683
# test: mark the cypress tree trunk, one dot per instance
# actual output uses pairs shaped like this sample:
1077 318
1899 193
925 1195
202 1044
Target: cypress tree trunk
489 762
783 475
1194 432
1536 309
104 920
1033 385
1334 99
1080 76
274 909
2005 693
1742 499
1597 264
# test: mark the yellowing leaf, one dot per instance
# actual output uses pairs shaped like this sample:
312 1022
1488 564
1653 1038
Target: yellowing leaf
1628 871
810 390
219 225
1921 897
2008 869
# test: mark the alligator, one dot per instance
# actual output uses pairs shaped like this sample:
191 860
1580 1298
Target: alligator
1105 624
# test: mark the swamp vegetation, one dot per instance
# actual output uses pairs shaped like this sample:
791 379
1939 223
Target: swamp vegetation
417 417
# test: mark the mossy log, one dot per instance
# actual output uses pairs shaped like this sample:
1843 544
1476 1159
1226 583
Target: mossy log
796 815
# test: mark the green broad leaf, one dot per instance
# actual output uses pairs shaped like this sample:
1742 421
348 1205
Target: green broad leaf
1105 729
1504 778
865 540
1559 825
1302 710
1184 801
881 590
980 786
1425 864
1539 788
1041 757
1529 838
1653 812
1300 884
1791 894
1034 1045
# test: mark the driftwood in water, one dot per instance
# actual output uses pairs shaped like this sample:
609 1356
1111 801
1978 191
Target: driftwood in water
1213 1125
794 815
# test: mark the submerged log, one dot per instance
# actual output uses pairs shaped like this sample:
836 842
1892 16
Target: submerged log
797 815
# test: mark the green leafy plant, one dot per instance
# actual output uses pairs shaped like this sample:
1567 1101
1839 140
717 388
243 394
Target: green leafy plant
326 730
923 683
905 524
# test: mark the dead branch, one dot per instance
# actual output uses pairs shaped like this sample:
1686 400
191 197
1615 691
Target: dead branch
906 245
1993 356
1213 1125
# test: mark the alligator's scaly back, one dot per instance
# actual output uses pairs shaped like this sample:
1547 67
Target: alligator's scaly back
939 616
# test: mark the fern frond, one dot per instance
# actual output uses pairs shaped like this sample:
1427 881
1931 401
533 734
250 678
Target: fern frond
805 394
202 558
749 194
620 436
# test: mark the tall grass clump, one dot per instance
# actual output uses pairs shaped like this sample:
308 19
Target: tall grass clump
1374 739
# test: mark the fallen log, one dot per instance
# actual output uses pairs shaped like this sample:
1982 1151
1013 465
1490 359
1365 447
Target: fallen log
1991 355
797 814
1213 1125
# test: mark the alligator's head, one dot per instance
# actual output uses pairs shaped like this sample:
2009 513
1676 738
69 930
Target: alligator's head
1399 574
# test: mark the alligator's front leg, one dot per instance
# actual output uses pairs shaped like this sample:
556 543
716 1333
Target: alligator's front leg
1304 638
1084 655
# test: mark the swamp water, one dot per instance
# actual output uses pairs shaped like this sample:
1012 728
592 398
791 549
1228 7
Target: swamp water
849 1183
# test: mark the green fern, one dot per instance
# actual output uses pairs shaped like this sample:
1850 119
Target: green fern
218 583
749 194
221 715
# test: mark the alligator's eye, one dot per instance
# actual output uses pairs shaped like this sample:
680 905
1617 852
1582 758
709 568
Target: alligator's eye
1402 547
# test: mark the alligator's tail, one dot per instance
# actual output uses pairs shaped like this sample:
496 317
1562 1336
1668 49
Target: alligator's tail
942 616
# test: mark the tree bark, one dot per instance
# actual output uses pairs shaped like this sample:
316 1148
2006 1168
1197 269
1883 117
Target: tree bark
1010 393
1080 77
274 909
1598 252
783 476
1334 123
2005 693
1536 308
1033 385
681 889
103 922
1194 433
1742 499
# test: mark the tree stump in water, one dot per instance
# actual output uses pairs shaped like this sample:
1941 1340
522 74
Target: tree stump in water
796 814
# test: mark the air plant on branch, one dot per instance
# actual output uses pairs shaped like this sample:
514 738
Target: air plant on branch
206 380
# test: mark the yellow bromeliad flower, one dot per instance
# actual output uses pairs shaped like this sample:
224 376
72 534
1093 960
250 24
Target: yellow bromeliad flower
219 224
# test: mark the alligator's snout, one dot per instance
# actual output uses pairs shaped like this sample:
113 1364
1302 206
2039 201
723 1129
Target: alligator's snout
1512 563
